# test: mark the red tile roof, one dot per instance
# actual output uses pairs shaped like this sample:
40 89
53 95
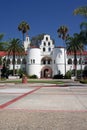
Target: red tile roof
3 53
78 53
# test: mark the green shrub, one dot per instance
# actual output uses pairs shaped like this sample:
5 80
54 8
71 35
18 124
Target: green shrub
84 81
33 76
58 76
68 75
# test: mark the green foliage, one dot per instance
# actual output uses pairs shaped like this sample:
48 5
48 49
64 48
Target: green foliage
0 60
62 32
15 48
33 76
2 43
81 11
68 75
84 81
58 76
23 27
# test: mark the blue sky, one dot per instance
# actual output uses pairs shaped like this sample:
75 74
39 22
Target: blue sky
43 16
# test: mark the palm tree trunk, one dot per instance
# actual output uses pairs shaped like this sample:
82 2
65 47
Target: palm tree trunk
75 64
81 64
13 63
23 38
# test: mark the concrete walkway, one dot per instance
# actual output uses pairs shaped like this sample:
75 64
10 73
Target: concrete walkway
43 107
70 97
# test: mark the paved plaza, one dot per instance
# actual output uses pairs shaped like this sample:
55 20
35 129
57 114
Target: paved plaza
64 101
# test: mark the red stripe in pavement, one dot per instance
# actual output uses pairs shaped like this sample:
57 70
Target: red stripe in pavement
17 98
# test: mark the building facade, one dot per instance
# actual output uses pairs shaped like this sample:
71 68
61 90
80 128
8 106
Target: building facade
46 60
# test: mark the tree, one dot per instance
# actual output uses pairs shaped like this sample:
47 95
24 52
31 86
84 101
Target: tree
81 10
75 44
2 44
83 27
63 33
15 48
23 27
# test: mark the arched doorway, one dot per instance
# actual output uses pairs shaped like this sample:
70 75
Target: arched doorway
46 72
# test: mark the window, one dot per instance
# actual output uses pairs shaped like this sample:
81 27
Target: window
44 43
44 62
8 61
49 61
33 61
43 49
69 61
49 49
18 61
46 38
75 61
13 62
48 43
24 61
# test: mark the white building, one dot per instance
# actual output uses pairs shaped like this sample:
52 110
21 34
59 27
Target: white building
46 60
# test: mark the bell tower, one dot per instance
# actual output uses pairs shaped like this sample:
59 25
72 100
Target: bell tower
26 43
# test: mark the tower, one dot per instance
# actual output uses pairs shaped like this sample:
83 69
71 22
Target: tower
26 43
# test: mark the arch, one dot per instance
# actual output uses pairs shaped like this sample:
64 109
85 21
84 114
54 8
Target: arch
46 60
18 61
13 61
8 61
46 72
75 61
24 61
69 61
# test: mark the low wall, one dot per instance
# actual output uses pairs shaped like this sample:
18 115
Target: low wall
13 77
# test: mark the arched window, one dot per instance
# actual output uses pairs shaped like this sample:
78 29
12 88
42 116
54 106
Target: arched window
49 61
46 38
44 43
8 61
46 60
75 61
12 61
69 61
24 61
49 49
48 43
43 49
18 61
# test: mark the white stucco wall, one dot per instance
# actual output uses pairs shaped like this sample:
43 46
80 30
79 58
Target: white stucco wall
58 61
34 62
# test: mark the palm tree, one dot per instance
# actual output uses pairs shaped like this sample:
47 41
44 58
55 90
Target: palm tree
63 33
83 27
15 48
73 45
23 27
2 43
81 10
